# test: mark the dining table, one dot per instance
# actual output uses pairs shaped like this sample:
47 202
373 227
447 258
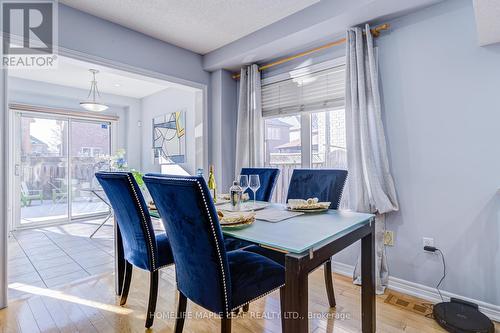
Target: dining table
308 241
99 194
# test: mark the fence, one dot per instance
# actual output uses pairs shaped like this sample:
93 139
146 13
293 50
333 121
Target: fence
49 173
335 159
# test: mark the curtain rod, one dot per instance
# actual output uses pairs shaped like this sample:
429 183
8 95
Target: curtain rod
375 32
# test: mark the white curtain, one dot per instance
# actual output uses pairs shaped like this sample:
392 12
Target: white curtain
249 136
370 186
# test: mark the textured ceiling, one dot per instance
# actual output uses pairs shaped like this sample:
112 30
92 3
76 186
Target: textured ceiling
197 25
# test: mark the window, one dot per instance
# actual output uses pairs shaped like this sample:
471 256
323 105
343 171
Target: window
274 133
96 152
91 151
85 151
304 121
328 144
283 150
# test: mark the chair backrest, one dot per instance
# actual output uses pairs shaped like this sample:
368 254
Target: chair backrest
268 178
193 229
132 216
324 184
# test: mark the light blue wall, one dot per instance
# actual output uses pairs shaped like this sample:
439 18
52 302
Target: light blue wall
223 127
441 96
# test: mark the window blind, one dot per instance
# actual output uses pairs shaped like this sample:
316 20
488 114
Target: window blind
305 92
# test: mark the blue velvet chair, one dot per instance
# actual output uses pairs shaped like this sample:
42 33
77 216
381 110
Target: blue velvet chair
218 280
142 248
324 184
268 178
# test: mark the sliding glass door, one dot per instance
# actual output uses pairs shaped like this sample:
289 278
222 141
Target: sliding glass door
90 148
43 170
56 159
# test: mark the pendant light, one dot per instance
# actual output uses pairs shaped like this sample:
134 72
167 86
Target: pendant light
93 105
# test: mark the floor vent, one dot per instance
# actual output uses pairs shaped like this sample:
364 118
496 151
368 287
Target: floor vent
424 309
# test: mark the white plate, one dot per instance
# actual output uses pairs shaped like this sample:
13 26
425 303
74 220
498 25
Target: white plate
237 225
305 210
221 201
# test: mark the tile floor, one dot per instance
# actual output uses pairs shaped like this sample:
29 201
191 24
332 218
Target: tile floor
57 255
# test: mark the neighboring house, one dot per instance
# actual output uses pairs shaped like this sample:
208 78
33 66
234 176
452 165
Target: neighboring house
277 134
37 147
92 140
290 153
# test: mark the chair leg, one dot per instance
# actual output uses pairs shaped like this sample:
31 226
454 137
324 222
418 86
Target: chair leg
126 283
225 325
282 307
246 307
181 313
153 294
329 283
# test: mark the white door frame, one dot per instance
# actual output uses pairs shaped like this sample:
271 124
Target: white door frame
4 171
15 160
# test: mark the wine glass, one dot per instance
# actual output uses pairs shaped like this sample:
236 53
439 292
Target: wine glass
254 186
243 183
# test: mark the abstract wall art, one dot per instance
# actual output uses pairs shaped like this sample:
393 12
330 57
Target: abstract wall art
169 138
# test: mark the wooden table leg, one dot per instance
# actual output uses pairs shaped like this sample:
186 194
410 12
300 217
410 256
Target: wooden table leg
295 304
368 281
119 260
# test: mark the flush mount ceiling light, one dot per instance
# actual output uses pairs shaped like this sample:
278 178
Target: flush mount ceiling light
93 105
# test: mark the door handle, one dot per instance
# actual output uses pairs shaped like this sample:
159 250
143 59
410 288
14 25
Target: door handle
17 170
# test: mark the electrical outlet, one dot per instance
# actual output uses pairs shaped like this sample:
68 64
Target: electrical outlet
389 238
427 241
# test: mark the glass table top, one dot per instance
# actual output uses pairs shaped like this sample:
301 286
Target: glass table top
301 233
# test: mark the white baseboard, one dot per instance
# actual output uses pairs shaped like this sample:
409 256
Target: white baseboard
424 292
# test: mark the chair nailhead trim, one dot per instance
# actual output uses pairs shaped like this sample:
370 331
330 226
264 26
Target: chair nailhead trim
213 233
148 233
256 298
341 191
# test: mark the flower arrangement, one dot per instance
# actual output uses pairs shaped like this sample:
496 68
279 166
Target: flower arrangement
118 161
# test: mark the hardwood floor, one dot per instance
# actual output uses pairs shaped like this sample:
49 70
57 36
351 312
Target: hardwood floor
89 305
